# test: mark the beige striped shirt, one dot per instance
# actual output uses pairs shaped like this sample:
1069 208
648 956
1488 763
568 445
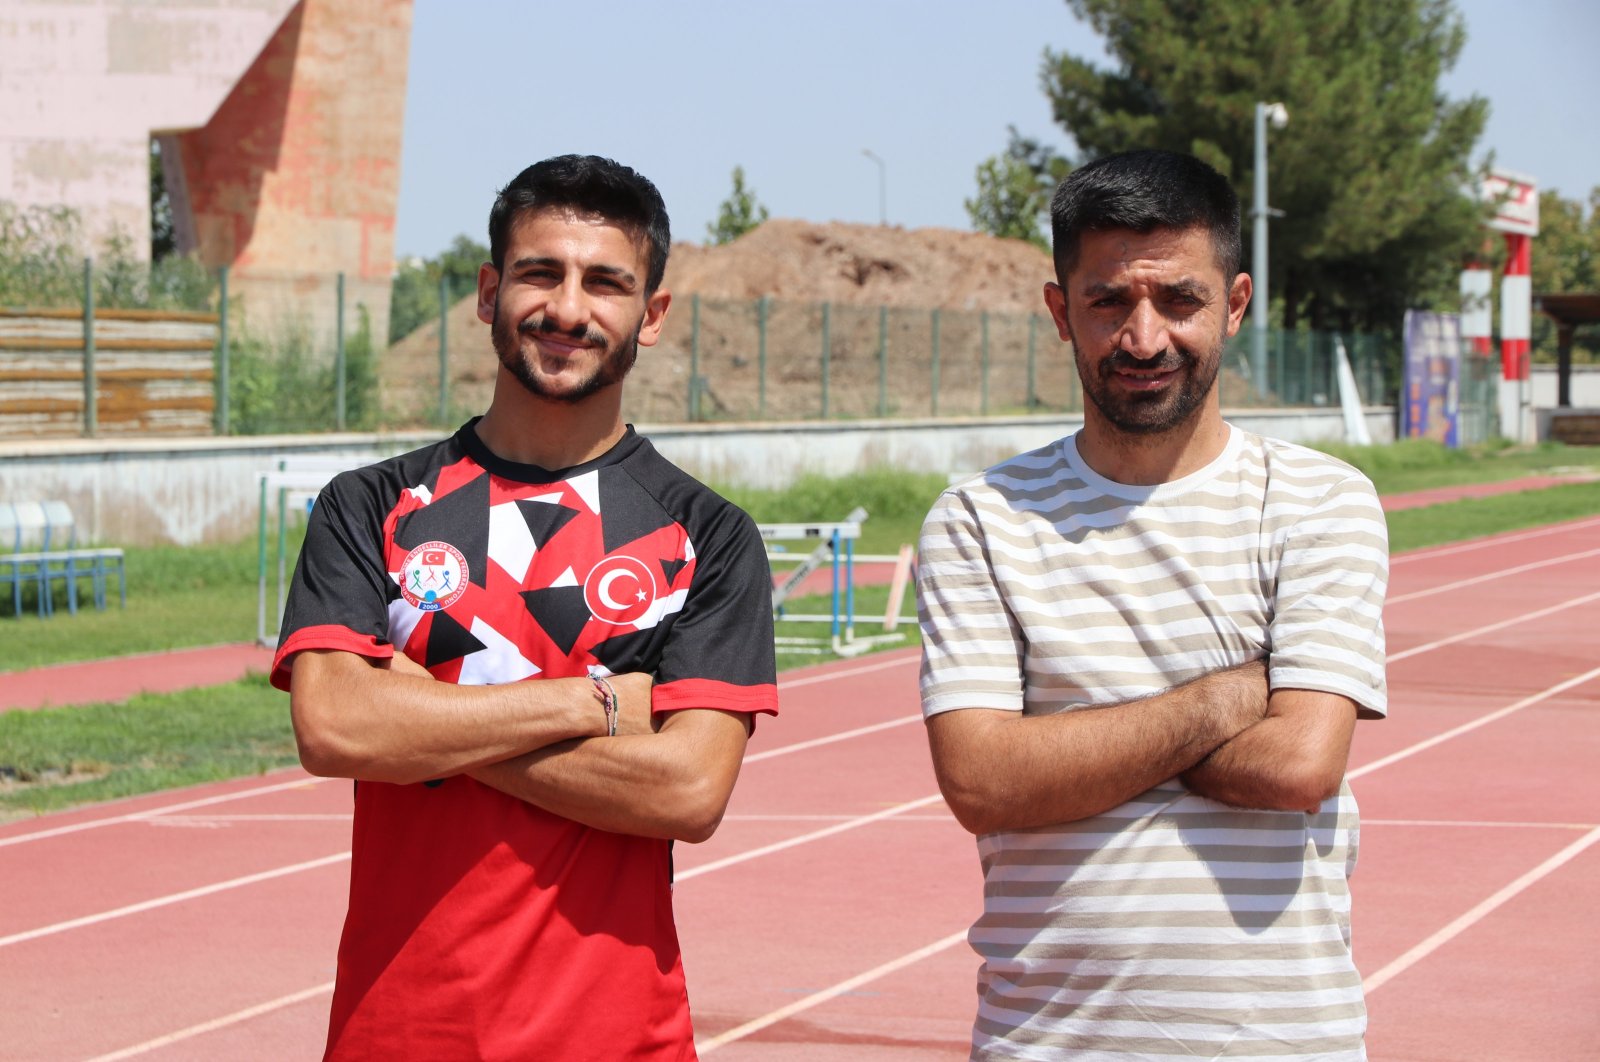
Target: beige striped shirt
1172 926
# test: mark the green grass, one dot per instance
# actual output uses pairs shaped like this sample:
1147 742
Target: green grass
1476 517
57 757
1418 464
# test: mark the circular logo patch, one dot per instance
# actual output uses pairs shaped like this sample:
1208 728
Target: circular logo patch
434 576
619 590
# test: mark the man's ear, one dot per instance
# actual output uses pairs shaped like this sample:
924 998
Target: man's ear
655 316
1238 299
1056 301
488 291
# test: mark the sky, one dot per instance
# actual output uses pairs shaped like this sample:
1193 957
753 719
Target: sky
797 92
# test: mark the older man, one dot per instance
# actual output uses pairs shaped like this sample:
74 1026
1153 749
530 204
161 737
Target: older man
1146 648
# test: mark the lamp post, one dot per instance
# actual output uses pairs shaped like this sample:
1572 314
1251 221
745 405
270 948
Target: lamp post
883 187
1278 115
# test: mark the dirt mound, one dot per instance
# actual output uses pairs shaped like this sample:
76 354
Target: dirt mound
851 312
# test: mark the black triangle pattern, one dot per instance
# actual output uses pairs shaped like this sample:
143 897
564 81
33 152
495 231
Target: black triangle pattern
448 640
670 567
624 519
560 611
545 520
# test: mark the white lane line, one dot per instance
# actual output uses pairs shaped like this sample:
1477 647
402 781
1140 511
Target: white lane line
801 746
1417 650
216 1023
1438 940
223 820
1482 824
806 838
1491 576
168 900
1482 720
1430 552
816 999
139 816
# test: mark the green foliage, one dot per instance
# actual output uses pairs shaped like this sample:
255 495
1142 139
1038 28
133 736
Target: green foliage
279 386
1014 190
738 214
414 297
1566 258
41 267
1418 464
1370 169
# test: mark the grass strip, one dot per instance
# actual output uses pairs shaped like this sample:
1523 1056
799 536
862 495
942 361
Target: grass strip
1455 521
58 757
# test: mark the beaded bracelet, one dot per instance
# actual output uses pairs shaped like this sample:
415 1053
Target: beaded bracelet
608 701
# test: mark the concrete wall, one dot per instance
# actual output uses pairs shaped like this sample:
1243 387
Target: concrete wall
280 123
140 492
1585 386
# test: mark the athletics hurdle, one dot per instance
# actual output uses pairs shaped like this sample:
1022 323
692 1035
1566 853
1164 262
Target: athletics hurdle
835 546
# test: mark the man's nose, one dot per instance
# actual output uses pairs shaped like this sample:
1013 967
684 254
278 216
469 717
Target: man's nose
567 309
1144 334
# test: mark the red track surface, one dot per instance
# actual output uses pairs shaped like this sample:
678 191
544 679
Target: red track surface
824 921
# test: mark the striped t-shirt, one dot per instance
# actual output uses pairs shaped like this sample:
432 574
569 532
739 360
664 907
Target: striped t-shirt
1172 926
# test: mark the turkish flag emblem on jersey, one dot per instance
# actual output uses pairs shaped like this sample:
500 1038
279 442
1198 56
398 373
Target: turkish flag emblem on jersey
620 589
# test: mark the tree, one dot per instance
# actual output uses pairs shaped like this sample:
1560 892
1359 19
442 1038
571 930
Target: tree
1014 190
414 295
1371 167
738 214
1566 253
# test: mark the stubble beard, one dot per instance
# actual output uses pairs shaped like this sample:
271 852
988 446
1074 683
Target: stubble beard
610 368
1157 412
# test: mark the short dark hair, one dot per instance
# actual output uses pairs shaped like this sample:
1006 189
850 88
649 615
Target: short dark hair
1143 191
591 185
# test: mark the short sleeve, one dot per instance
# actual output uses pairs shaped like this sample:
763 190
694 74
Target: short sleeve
339 596
1327 626
972 648
719 652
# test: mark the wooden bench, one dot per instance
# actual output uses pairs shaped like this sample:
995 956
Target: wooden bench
39 546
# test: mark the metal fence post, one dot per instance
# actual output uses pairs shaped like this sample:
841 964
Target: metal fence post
883 361
220 413
444 352
762 305
338 359
827 353
91 398
934 375
983 402
1033 379
694 358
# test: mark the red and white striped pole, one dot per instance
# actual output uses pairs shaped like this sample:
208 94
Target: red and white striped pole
1516 307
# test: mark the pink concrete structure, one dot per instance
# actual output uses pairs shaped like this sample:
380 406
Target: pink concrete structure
279 123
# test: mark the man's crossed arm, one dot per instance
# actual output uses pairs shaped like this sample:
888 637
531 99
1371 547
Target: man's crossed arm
542 741
1222 733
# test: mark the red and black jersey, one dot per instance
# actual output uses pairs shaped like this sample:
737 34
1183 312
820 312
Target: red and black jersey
479 925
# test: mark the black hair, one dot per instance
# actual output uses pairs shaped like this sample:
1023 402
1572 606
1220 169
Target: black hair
591 185
1143 191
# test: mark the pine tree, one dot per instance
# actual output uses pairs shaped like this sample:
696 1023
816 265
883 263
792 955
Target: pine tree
738 214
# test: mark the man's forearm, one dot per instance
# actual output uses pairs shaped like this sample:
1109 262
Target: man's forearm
672 784
1003 771
1292 760
355 720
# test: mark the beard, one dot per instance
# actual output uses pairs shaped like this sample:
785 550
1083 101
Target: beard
612 364
1155 412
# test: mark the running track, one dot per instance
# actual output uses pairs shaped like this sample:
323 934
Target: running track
826 918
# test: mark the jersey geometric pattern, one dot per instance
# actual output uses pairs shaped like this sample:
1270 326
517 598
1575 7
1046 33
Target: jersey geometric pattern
479 925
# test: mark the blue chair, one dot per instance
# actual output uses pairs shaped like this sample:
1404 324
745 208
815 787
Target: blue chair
23 530
67 561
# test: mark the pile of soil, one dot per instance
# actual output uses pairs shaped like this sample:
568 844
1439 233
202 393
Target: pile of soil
859 320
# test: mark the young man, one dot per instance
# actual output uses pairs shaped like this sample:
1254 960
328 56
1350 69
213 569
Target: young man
538 647
1145 649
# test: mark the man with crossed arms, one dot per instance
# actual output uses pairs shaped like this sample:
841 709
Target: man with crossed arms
1146 646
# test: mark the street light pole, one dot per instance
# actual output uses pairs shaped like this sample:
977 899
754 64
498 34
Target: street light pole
1279 116
883 187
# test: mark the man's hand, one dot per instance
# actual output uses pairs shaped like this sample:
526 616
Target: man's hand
1292 760
1001 770
633 703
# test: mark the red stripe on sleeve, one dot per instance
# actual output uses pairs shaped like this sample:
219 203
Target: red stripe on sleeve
326 636
709 693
